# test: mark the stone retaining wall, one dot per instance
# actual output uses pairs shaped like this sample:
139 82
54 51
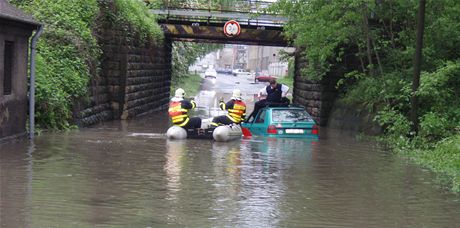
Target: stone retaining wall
317 96
134 79
353 119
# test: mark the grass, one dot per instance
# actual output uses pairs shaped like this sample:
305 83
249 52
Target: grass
443 159
190 84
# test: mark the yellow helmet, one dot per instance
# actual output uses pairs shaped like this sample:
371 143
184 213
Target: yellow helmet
236 94
180 93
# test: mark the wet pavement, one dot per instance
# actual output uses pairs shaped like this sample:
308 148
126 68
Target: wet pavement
127 174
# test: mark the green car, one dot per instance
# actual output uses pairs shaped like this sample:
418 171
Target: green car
282 122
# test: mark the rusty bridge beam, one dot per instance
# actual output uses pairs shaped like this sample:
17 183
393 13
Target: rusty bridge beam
255 35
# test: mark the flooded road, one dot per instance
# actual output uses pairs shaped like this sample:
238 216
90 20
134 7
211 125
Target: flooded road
127 174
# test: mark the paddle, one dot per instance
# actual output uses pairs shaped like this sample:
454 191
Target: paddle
246 132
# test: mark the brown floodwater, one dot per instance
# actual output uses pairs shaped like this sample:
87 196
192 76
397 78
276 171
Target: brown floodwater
127 174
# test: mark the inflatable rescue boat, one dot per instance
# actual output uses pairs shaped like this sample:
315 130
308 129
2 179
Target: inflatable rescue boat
220 134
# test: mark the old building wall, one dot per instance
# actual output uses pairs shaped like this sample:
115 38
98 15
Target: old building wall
13 106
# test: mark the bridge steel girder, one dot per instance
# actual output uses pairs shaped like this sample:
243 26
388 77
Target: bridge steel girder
213 33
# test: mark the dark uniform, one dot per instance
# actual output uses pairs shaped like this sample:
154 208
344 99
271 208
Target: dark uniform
178 111
274 98
236 113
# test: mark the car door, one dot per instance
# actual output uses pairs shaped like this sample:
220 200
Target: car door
259 125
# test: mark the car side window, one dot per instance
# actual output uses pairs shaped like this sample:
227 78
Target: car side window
261 117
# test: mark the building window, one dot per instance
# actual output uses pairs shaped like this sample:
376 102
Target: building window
8 67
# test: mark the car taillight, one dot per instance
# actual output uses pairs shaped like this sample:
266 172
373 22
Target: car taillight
315 129
271 129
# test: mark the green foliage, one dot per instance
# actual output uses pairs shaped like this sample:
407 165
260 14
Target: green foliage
68 53
439 91
378 39
200 4
395 123
321 28
434 126
64 52
136 14
374 95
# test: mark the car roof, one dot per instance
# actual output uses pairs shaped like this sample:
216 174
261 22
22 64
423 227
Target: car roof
284 108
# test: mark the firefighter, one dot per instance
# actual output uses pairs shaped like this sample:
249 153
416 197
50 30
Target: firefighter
236 109
178 111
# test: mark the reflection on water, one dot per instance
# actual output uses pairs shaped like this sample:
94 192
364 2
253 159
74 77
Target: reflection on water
127 174
174 159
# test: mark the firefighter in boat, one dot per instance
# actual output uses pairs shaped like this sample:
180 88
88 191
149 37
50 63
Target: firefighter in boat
236 109
178 111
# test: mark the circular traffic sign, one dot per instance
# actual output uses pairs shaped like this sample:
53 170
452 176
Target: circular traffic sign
232 28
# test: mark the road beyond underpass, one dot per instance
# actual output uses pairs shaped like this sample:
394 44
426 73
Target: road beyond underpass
213 89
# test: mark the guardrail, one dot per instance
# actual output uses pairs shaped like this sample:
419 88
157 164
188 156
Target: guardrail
245 12
244 6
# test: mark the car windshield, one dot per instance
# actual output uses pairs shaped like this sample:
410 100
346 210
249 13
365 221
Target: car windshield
290 115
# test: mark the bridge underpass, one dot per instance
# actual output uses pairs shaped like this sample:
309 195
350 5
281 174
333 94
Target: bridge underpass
138 75
256 29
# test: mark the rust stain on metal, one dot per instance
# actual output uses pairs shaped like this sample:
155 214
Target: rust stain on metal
213 32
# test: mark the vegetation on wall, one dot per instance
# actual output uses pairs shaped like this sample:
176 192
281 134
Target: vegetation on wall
136 14
380 37
68 53
201 4
65 53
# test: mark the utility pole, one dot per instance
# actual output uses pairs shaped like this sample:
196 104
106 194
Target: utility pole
417 63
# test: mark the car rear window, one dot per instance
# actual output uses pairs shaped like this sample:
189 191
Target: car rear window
289 115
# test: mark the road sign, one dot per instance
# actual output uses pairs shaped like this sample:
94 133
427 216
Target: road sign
232 28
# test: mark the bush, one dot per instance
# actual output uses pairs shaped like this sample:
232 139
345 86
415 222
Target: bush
390 91
394 122
434 126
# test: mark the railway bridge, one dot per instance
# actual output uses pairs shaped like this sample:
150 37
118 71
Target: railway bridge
136 76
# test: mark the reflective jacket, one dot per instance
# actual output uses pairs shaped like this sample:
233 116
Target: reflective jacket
178 111
236 110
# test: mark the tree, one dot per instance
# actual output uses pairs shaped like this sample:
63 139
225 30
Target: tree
417 63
